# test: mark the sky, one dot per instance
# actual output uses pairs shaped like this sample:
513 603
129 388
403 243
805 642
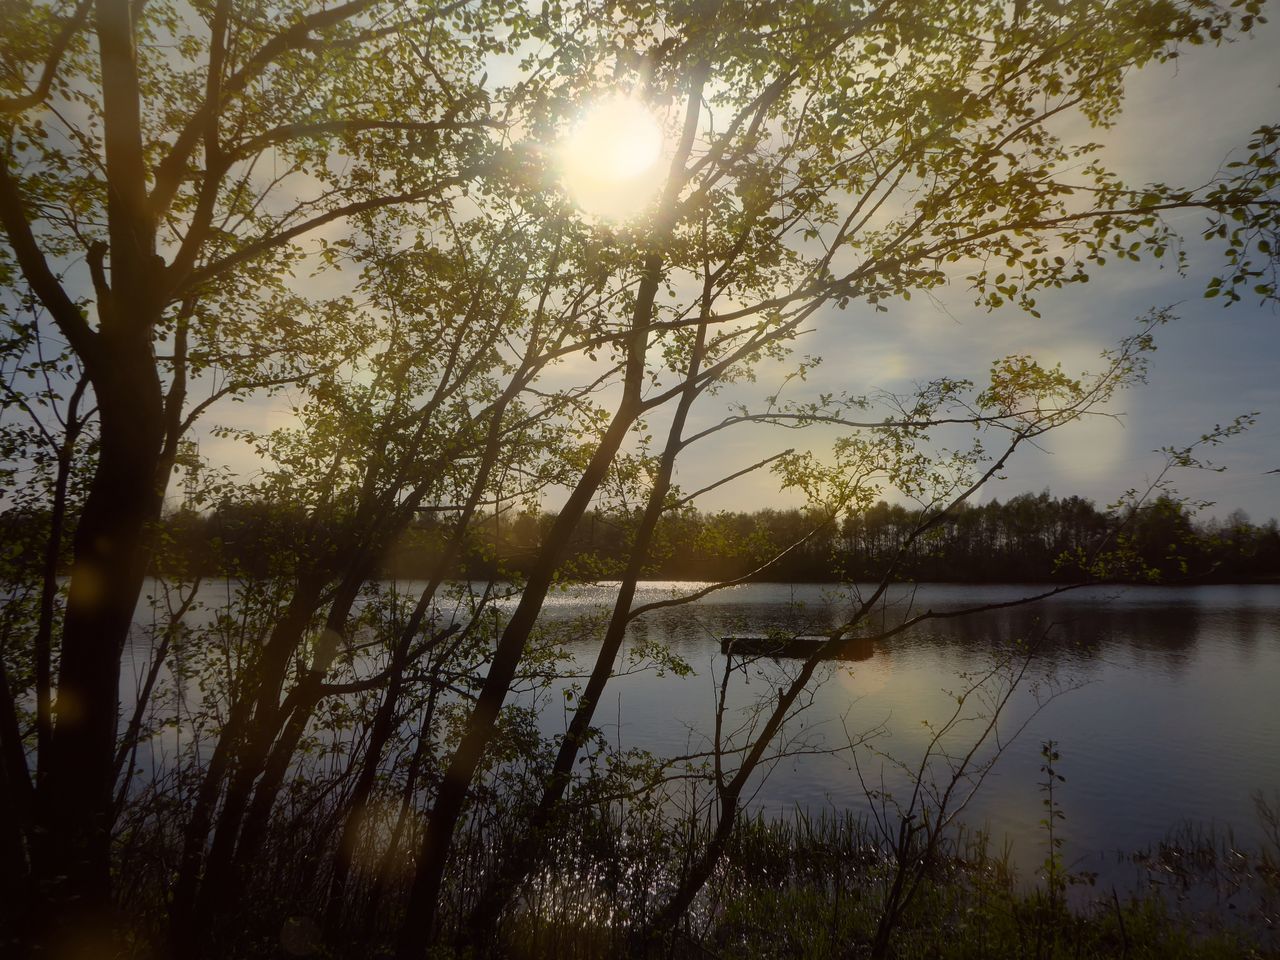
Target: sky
1180 122
1212 363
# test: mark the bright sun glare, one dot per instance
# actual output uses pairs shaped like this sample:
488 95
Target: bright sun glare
609 162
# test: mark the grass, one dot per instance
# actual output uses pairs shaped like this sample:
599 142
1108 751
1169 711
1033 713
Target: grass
812 889
795 887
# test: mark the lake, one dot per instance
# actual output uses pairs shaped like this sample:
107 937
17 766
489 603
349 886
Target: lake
1163 701
1167 710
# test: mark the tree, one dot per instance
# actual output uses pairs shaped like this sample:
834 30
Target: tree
823 155
137 217
791 204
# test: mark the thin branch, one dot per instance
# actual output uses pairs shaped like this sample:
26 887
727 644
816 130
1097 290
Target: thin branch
72 26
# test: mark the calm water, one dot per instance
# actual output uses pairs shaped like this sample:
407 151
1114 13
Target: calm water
1167 710
1167 713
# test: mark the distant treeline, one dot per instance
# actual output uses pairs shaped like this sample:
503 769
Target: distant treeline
1031 537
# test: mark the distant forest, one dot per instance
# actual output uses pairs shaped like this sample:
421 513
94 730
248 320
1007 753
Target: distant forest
1028 538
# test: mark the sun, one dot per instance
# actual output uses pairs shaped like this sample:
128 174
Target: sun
609 163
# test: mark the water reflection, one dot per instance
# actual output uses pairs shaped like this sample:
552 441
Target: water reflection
1170 713
1170 717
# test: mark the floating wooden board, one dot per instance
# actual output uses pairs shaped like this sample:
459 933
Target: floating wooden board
798 648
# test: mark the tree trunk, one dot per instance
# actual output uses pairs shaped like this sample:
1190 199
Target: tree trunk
433 857
111 542
380 734
424 896
243 747
16 802
111 552
383 724
516 866
49 583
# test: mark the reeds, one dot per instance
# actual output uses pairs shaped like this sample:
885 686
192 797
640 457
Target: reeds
802 885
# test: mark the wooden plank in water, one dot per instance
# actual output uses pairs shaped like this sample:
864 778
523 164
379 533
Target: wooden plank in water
797 648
